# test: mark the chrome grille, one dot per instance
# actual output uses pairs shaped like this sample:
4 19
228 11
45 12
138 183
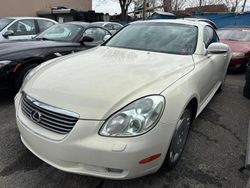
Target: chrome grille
49 117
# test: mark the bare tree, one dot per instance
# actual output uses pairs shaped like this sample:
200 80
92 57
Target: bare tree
233 5
244 5
199 3
124 4
173 5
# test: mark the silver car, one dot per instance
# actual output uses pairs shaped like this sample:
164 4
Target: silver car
113 27
22 28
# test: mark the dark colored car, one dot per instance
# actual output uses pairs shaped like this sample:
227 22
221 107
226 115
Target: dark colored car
18 58
239 41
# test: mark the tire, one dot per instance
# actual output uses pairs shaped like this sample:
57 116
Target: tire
21 76
246 91
179 139
239 70
248 75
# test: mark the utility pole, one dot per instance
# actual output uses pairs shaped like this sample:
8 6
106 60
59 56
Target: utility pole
143 9
167 5
244 5
200 5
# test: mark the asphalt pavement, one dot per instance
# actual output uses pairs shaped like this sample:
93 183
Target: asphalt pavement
213 155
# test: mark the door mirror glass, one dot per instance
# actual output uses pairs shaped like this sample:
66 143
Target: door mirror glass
106 37
217 48
87 39
8 33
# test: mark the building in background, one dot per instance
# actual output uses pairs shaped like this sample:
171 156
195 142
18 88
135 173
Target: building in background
30 7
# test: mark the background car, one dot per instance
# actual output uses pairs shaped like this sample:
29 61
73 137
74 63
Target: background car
246 90
113 27
23 28
238 38
126 106
19 57
202 20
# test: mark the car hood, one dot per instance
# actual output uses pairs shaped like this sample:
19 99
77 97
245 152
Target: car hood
95 83
7 49
237 46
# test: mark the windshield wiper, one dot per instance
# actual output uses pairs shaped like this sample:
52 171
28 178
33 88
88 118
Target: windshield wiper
231 39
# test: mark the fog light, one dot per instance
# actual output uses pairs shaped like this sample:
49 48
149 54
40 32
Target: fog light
113 170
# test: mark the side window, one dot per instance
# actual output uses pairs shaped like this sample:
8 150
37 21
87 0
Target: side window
109 27
58 33
97 34
44 24
23 27
117 27
210 36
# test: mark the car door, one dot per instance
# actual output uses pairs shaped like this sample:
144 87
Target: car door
44 24
217 60
23 29
97 34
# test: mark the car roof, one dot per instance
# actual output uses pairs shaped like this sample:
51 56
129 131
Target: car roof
105 23
178 21
202 20
83 24
26 17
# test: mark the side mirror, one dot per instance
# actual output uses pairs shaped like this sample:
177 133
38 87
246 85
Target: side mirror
87 39
217 48
106 37
8 33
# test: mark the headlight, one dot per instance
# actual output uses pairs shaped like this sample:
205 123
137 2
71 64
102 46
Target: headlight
136 118
3 63
238 54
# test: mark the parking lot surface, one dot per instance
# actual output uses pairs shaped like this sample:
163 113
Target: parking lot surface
214 152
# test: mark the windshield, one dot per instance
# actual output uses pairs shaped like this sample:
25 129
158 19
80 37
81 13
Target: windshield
4 22
234 34
157 37
61 32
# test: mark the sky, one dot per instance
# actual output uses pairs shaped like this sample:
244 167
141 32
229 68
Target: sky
112 6
106 6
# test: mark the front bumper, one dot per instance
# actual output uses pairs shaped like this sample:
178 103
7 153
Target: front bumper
238 63
6 82
83 151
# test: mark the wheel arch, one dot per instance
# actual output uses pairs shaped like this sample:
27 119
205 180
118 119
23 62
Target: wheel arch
28 62
18 74
193 104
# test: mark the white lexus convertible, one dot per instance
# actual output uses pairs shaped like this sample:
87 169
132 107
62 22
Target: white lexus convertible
123 109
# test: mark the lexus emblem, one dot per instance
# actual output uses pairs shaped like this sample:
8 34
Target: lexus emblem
36 116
